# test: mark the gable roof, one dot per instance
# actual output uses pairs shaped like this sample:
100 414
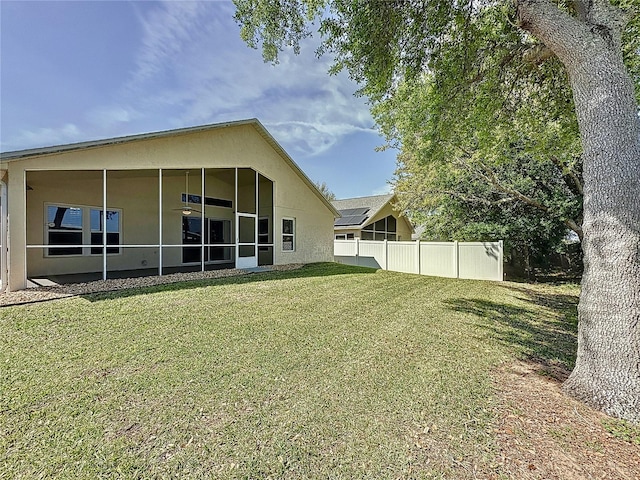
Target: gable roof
6 157
358 211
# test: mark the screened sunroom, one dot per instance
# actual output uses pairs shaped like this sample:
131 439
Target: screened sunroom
194 199
133 222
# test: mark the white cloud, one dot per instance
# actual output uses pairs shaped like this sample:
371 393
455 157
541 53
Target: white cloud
311 138
114 114
166 31
384 190
46 136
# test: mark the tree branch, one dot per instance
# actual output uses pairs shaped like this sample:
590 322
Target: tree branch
581 7
568 222
573 182
602 12
476 199
596 19
537 54
553 27
573 225
513 195
490 176
504 61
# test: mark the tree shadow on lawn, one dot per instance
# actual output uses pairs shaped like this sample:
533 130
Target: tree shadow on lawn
306 271
544 333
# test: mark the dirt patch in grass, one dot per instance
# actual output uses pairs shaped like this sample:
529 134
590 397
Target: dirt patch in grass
544 434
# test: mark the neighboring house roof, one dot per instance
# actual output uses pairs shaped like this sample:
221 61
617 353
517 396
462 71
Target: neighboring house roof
6 157
356 212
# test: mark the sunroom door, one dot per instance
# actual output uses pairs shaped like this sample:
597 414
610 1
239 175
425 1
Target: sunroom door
246 240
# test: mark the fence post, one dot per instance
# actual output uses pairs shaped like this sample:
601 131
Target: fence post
418 256
501 260
357 252
386 254
456 259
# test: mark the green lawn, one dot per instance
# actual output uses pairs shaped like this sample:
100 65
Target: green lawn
324 372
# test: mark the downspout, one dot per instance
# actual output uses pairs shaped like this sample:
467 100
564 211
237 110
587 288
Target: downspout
4 246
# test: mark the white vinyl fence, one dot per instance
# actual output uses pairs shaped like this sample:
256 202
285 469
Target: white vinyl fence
471 260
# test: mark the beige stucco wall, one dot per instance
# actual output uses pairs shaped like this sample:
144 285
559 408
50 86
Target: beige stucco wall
354 231
59 179
3 230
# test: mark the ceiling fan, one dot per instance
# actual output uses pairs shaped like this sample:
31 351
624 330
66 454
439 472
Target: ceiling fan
186 209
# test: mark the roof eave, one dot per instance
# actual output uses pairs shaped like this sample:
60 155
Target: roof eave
51 150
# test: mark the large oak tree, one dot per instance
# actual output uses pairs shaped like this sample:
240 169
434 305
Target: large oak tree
383 42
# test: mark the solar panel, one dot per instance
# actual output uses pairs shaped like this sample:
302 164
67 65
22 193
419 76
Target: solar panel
350 212
350 220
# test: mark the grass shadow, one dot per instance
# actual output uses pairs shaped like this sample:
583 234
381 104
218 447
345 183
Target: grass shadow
559 301
543 330
306 271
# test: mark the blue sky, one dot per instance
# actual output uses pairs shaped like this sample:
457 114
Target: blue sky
84 70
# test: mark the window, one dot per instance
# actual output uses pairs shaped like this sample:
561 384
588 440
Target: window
113 230
344 236
73 225
64 227
217 232
383 229
191 235
209 201
288 234
263 230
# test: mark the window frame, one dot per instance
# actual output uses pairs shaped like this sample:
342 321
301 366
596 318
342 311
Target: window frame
48 229
376 234
85 231
344 236
292 235
99 246
264 236
196 199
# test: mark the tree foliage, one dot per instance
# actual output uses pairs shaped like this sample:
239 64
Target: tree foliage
324 189
464 206
482 177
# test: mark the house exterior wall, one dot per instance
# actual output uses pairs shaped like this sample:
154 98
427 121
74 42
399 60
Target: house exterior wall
354 231
403 230
3 231
75 178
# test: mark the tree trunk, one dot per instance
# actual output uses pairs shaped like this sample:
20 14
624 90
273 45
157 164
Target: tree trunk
607 370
